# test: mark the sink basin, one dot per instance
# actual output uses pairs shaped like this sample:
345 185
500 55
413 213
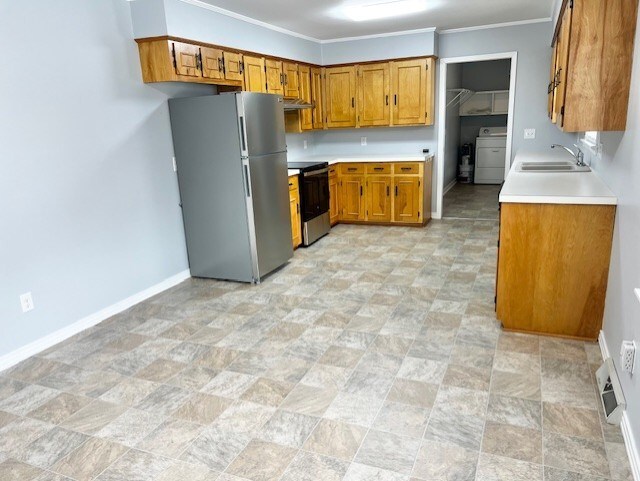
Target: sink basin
555 166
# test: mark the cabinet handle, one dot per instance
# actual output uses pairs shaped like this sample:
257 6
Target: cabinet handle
290 184
387 191
241 64
199 60
286 79
405 168
396 191
298 208
378 168
353 102
352 169
281 79
387 100
395 99
495 151
360 191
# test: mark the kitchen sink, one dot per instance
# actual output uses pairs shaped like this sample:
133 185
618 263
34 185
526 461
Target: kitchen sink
554 166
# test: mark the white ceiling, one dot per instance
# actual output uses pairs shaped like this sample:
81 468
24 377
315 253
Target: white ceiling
318 18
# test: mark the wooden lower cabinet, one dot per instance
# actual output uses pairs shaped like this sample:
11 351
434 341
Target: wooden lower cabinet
294 207
352 206
334 193
407 199
381 193
378 198
553 266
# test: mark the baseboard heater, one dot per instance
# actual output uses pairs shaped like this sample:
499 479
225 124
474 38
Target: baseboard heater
611 396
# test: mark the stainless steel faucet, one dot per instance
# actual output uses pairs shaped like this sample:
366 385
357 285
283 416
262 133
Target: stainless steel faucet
578 154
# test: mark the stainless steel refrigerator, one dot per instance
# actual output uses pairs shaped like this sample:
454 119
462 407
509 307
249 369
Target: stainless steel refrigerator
231 156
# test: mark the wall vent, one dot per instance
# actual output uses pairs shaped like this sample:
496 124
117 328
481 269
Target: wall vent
610 390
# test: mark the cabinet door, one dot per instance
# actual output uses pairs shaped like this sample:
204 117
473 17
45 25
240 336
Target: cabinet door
334 202
212 63
340 89
306 115
378 193
409 88
186 59
291 80
352 197
254 77
233 66
562 44
275 77
317 94
294 208
551 88
406 199
373 95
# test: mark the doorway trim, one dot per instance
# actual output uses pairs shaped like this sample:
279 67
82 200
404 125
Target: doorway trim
442 115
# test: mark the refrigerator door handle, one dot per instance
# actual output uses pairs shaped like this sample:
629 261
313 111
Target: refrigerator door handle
243 135
247 181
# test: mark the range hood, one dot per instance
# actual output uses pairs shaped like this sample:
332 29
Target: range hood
297 104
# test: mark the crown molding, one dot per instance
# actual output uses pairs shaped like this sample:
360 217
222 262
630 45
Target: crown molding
379 35
494 25
275 28
244 18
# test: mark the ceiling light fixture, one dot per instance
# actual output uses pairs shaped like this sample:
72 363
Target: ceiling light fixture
383 9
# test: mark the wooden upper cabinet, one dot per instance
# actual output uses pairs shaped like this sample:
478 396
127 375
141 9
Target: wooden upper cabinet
407 199
594 45
275 76
306 115
291 80
254 76
340 101
186 59
233 68
212 60
317 96
562 48
409 89
373 95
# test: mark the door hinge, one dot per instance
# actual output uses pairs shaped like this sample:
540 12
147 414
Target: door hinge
266 86
175 61
495 299
265 69
571 4
298 208
418 183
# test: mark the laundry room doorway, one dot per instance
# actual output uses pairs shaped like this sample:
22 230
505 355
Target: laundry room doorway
476 105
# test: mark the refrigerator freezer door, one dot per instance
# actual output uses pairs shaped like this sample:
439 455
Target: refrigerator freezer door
269 191
261 118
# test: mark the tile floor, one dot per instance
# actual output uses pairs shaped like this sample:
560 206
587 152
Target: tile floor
373 356
472 201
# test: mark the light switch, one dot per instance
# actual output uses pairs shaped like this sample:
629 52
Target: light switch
304 145
529 134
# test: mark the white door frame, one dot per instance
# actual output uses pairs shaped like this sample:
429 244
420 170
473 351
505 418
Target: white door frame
442 115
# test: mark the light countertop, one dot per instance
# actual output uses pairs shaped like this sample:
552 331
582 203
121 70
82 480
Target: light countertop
294 172
553 187
336 159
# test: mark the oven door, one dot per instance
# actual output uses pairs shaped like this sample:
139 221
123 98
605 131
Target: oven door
314 194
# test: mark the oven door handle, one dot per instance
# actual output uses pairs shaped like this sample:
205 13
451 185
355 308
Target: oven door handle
316 172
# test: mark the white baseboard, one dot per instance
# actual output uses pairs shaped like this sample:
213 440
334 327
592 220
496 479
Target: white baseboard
449 186
625 424
60 335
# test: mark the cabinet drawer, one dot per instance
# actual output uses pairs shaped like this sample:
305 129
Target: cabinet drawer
491 157
293 183
406 168
378 168
352 169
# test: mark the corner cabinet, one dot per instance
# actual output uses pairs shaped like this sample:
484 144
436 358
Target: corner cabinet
591 65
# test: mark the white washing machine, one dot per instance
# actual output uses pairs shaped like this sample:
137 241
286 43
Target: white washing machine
491 153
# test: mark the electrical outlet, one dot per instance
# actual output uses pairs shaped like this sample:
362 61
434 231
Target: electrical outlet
529 134
628 356
363 141
175 165
26 301
304 145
